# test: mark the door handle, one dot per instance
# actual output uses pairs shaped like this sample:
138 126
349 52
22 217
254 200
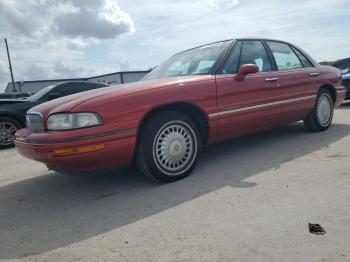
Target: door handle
273 79
314 74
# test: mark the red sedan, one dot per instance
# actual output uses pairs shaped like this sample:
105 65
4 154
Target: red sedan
200 96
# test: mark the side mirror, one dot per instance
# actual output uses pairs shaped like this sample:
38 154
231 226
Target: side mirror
53 96
245 70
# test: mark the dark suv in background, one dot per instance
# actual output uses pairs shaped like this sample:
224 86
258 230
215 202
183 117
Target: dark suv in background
13 111
19 95
346 83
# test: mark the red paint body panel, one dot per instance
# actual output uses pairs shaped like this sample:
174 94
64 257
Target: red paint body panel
232 108
118 151
200 91
233 94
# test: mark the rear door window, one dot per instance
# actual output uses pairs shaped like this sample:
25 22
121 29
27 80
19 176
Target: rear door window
284 56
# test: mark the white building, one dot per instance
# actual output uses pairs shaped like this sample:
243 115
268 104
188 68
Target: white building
113 79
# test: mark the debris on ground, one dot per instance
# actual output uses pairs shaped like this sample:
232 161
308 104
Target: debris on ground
316 229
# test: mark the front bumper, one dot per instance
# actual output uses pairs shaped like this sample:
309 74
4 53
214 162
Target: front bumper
118 148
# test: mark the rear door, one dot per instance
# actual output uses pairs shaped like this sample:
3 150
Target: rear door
246 106
298 81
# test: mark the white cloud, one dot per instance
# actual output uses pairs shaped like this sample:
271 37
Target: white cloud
17 17
48 38
4 73
102 22
75 38
166 27
231 3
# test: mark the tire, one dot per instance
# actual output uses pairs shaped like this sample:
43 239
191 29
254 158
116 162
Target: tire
320 118
169 147
8 128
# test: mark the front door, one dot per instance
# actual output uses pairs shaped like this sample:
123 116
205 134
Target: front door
251 104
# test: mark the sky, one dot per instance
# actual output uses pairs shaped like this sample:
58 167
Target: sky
52 39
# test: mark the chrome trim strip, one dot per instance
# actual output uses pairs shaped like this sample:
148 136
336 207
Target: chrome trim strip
261 106
34 113
314 74
72 139
340 87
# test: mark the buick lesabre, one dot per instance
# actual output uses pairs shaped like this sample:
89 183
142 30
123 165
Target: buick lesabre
197 97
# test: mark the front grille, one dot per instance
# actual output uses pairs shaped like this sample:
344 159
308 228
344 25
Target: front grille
35 122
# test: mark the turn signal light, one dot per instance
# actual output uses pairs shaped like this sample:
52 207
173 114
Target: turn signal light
78 150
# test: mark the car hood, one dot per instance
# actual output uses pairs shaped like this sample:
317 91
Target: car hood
108 94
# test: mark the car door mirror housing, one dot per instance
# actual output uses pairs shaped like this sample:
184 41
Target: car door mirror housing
245 70
53 96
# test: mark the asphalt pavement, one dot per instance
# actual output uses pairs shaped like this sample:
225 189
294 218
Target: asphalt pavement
250 199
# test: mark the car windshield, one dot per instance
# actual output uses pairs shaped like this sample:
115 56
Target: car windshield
196 61
41 93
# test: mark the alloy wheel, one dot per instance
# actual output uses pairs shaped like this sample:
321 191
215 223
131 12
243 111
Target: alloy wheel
7 133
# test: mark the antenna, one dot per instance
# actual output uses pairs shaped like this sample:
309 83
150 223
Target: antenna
10 67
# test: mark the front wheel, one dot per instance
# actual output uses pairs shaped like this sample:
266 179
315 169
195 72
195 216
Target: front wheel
320 118
169 147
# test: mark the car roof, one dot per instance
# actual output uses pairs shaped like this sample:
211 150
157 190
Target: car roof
237 39
259 38
81 82
264 39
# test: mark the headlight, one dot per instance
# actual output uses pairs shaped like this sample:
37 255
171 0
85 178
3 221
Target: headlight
34 122
67 121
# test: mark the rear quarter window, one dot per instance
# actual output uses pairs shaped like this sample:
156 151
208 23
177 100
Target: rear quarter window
303 59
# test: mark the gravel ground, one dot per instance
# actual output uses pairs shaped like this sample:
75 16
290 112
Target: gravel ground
250 199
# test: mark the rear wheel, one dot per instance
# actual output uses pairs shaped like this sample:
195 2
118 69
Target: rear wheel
320 118
8 128
169 147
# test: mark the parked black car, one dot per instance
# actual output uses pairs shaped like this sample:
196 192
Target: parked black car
13 111
19 95
346 83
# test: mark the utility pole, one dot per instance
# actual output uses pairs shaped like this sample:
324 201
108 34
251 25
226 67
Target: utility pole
10 67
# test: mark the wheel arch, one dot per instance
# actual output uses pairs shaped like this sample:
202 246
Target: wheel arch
199 117
331 89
